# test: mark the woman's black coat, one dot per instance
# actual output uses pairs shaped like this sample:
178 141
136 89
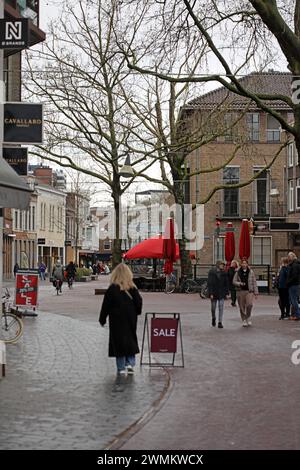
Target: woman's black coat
122 312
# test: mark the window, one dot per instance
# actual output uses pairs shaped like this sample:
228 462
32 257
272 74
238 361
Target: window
253 127
21 220
291 195
261 192
298 194
261 250
291 154
230 129
107 245
16 220
33 218
231 175
219 248
273 129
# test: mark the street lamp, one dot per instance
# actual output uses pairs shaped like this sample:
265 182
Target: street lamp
127 171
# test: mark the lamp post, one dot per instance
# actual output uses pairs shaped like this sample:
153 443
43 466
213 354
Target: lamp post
126 172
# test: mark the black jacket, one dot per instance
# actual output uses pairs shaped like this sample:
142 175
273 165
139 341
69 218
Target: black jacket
293 274
122 310
218 284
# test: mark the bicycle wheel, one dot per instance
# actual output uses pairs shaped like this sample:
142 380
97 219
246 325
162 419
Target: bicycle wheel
11 328
170 287
191 286
203 290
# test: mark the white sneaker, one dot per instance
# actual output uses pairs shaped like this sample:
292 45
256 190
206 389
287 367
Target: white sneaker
245 323
249 322
122 372
130 370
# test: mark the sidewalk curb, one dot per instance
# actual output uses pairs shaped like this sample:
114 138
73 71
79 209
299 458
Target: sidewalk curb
135 427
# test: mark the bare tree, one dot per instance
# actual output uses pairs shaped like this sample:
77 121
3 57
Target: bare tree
83 82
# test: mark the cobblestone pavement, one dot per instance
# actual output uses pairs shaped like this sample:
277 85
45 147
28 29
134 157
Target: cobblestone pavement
238 389
61 391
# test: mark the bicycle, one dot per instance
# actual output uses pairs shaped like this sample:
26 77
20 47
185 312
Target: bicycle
192 286
11 327
70 281
170 283
57 284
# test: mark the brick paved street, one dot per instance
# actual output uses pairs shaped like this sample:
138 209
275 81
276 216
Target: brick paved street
237 390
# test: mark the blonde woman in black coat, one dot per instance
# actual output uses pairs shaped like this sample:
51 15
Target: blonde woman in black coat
122 304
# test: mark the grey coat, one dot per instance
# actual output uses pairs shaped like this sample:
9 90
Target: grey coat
251 282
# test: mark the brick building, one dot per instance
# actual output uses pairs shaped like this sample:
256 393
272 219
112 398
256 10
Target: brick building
245 139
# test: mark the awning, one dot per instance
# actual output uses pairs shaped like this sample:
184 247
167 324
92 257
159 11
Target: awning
14 192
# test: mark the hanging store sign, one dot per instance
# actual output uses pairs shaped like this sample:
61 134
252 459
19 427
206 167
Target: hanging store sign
23 123
17 158
14 34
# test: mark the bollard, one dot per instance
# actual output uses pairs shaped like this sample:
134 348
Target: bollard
3 357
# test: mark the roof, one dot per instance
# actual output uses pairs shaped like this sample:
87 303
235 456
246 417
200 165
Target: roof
275 83
14 192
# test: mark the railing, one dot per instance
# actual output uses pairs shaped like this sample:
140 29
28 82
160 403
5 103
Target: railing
247 209
263 274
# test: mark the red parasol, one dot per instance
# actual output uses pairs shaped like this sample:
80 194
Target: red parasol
151 248
244 246
229 244
169 246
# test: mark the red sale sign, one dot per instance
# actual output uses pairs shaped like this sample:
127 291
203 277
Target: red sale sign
26 288
164 335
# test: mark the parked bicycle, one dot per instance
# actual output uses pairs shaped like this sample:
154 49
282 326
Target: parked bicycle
192 286
170 283
11 326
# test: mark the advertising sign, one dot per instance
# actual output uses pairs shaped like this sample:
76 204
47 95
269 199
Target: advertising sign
23 123
27 288
164 335
17 159
14 34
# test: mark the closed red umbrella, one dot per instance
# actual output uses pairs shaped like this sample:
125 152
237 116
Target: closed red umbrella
151 248
229 244
169 246
244 246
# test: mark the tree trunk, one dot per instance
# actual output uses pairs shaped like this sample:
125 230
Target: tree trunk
185 261
117 241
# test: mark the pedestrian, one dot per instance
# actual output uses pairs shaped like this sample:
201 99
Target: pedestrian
245 281
58 274
283 291
218 289
122 304
231 272
42 271
293 284
16 269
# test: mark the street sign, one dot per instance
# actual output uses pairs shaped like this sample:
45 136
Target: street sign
23 123
14 34
27 288
17 159
41 241
68 243
164 335
284 226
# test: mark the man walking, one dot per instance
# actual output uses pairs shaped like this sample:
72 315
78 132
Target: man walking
218 289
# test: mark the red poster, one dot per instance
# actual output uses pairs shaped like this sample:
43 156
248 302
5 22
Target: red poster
164 335
26 289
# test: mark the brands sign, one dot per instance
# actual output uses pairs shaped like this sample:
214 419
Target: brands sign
23 123
17 159
164 335
27 288
14 34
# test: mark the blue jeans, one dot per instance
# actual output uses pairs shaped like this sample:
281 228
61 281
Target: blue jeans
124 361
294 294
221 308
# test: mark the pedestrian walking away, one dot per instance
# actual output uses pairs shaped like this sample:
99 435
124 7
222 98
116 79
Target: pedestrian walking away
16 269
58 274
283 291
293 284
122 304
218 289
231 272
245 282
